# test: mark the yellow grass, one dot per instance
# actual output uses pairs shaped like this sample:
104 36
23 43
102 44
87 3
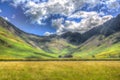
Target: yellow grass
60 70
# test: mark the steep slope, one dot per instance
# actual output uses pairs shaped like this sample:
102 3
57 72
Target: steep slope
100 46
51 44
101 42
46 46
13 46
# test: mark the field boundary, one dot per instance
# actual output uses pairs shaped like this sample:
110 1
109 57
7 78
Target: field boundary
59 60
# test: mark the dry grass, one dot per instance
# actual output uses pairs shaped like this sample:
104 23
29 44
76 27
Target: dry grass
60 70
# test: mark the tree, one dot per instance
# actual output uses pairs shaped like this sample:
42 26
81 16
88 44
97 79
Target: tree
93 56
59 56
68 56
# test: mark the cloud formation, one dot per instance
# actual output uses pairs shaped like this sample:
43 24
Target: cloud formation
48 33
112 4
6 18
0 11
40 10
89 21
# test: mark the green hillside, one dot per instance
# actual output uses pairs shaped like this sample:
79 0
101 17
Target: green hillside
100 47
100 42
12 47
59 47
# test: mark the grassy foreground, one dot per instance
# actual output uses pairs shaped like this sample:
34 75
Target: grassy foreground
60 70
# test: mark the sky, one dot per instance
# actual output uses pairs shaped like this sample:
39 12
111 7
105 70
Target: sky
46 17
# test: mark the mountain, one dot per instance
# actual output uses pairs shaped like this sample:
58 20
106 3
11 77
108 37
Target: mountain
14 43
100 42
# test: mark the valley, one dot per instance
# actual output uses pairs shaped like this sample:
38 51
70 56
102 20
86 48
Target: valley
100 43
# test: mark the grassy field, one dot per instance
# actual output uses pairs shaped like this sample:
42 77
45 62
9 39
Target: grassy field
60 70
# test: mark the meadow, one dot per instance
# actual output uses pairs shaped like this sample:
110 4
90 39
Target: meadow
60 70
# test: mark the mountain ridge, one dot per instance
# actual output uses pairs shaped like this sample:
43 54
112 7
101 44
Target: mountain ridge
74 44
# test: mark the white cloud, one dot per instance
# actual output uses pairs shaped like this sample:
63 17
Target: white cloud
48 33
57 22
83 14
112 4
0 11
37 12
89 21
101 13
6 18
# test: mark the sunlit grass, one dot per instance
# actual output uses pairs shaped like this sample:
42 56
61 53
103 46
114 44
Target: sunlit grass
66 70
12 46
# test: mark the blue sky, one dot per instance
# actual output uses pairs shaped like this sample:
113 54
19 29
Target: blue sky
45 17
